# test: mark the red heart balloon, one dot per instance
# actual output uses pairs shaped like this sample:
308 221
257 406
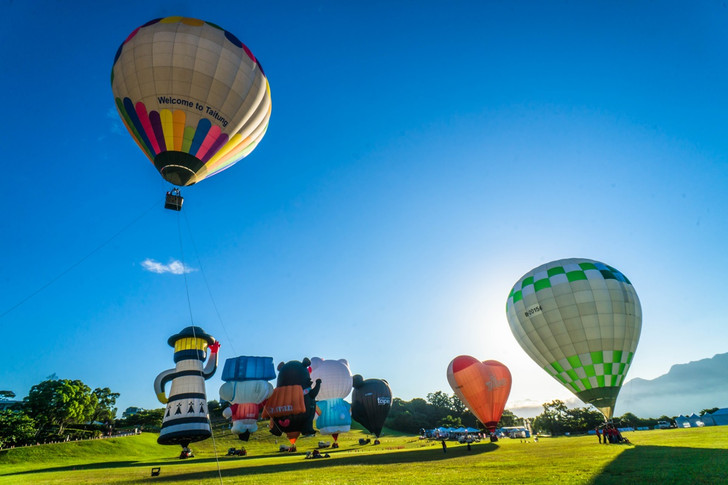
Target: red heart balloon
482 386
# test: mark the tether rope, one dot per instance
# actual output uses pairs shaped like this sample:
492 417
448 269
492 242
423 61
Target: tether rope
207 284
80 261
194 335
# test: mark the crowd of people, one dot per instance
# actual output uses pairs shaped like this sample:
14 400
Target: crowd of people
609 433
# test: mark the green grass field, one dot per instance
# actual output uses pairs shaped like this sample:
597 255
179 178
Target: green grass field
695 455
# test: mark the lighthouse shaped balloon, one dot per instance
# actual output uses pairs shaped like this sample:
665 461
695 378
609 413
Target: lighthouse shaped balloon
246 388
333 413
580 320
185 418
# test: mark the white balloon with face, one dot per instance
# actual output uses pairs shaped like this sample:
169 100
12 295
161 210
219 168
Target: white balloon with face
239 392
245 397
335 375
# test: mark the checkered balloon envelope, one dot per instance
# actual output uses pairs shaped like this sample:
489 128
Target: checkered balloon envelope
580 320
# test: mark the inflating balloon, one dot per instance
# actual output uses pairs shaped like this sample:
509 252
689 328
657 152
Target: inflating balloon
371 401
580 320
246 388
292 405
185 419
482 386
333 413
193 97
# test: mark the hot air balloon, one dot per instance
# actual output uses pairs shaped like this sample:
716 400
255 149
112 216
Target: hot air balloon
292 405
580 320
482 386
185 418
246 388
370 403
333 413
193 97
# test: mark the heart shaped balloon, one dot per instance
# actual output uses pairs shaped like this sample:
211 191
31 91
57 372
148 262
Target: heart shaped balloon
482 386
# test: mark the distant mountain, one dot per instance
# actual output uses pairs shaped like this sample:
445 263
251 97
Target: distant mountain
685 389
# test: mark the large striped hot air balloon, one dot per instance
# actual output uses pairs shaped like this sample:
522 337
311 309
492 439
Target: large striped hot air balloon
193 97
580 320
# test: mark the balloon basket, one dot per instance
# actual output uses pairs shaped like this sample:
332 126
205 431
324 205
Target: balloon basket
174 200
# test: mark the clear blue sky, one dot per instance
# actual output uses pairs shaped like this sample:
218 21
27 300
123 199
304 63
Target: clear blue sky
419 160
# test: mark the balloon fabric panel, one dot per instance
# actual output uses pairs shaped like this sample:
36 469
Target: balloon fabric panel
284 401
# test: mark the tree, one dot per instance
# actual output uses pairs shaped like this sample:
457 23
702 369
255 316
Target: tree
630 419
105 412
6 395
458 406
554 418
509 419
16 428
214 409
451 422
149 418
60 402
582 420
708 411
440 400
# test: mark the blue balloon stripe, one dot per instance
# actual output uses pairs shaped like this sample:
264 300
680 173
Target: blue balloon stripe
200 134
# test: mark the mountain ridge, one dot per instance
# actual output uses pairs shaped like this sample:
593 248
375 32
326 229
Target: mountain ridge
685 389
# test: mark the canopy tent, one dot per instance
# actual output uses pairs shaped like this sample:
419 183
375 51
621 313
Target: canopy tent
717 418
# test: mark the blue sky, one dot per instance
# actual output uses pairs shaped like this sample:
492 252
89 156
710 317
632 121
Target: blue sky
419 160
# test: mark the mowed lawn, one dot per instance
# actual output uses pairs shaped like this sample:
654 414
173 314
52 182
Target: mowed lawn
695 455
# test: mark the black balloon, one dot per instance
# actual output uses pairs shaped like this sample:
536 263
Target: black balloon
370 403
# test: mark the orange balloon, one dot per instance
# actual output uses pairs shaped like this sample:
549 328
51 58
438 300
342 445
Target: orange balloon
482 386
285 401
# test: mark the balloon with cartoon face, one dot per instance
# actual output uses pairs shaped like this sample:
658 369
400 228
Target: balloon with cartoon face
333 413
292 405
246 388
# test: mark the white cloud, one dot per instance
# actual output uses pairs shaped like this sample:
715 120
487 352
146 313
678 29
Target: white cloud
174 267
116 124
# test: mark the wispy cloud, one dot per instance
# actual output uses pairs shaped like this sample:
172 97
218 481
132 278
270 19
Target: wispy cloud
174 267
116 124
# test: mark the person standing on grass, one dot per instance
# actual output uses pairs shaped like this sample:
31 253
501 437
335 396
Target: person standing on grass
599 434
444 446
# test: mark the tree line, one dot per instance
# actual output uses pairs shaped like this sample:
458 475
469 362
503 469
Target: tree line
63 409
56 410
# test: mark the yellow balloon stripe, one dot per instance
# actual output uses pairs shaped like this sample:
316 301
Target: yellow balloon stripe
231 145
166 118
179 118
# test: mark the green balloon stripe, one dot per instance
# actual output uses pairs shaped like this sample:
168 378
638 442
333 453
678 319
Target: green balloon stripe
589 371
588 271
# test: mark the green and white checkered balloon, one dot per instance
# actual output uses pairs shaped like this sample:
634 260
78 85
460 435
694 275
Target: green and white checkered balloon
580 320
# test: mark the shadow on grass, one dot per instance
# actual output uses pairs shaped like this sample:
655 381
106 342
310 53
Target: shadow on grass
342 457
666 464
